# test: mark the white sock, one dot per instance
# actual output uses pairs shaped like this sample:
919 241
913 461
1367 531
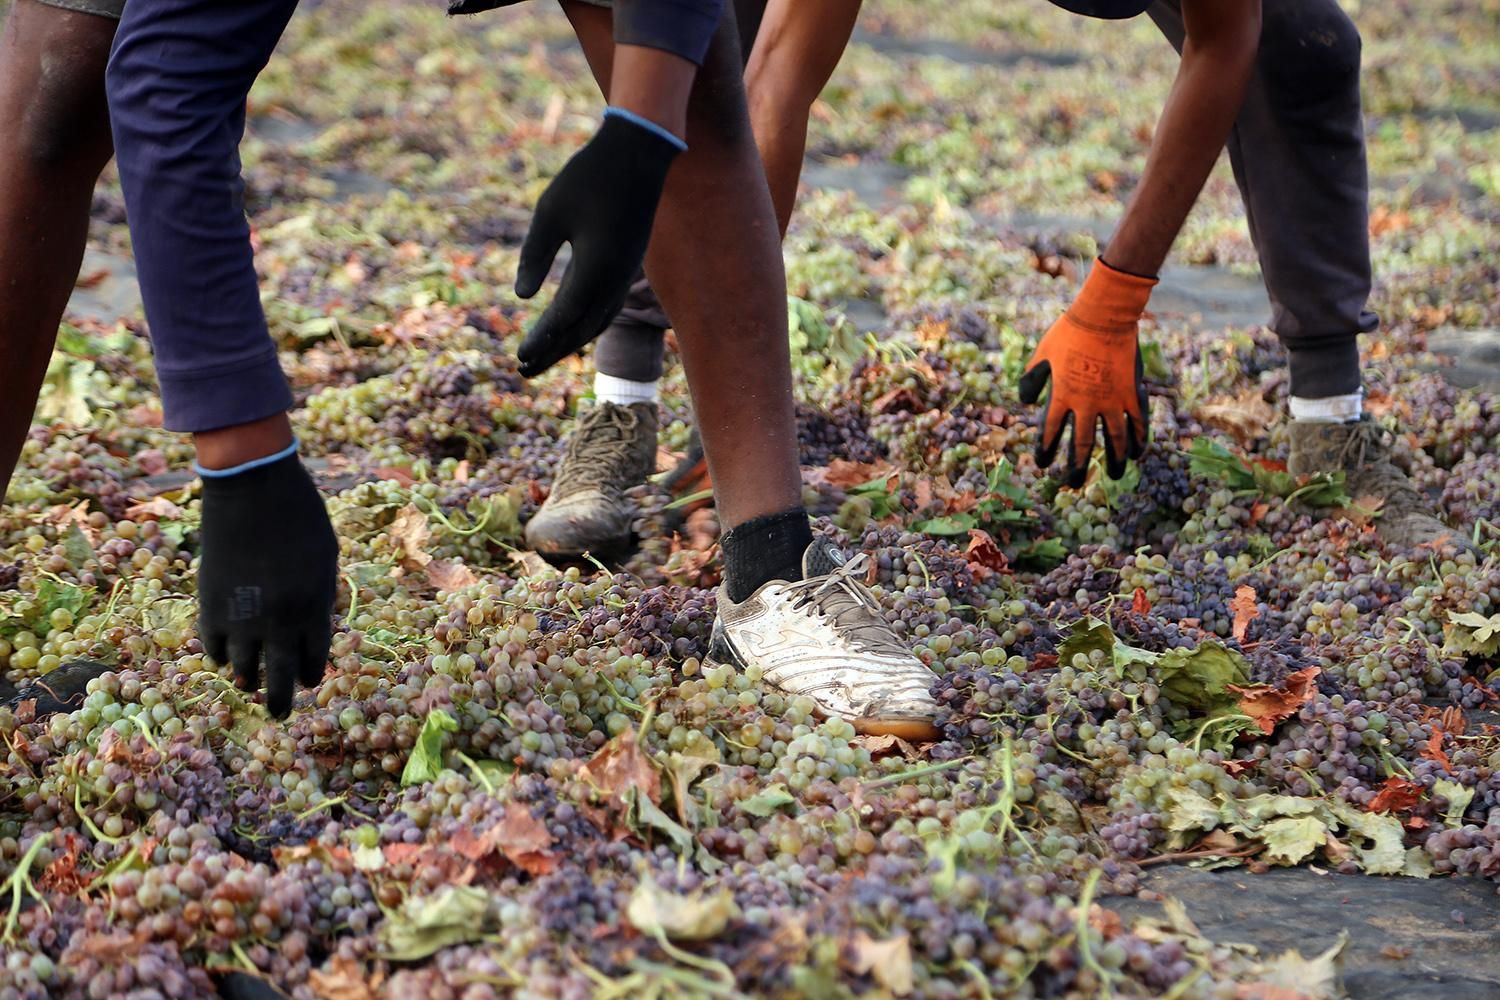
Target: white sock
622 391
1329 409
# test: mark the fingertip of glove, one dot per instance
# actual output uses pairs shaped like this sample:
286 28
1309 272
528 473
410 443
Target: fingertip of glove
1030 385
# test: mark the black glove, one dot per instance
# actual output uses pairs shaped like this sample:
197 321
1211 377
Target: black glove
603 203
268 577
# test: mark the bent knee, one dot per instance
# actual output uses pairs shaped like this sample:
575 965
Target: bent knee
1309 50
64 118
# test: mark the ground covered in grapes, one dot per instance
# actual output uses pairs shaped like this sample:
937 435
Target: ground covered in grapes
525 781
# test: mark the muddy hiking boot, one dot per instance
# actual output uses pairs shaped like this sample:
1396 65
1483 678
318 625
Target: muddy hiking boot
1362 451
612 450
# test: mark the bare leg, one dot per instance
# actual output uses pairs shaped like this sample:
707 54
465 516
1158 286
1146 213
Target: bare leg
796 51
728 308
57 140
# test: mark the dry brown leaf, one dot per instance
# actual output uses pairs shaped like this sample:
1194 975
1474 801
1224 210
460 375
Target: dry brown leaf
846 474
1433 750
666 460
1384 219
899 398
342 978
157 507
622 764
1268 705
1265 991
1398 794
450 574
932 334
701 529
888 961
984 556
1245 609
1246 417
1106 922
1454 721
74 513
1219 840
524 840
410 531
402 476
1362 510
531 564
884 745
1139 602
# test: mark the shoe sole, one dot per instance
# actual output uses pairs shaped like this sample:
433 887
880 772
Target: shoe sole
721 650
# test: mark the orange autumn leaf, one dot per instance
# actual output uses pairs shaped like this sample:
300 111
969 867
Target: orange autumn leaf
984 556
1139 602
622 764
845 474
1268 705
1398 794
1245 609
1433 751
524 840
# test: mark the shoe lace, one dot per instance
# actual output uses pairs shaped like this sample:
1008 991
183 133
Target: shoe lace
842 600
1366 444
1365 455
598 450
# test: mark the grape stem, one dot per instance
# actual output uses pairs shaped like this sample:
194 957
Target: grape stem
1085 944
19 879
916 772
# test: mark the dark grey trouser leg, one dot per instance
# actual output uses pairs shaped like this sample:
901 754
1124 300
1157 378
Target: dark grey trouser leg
1298 152
633 344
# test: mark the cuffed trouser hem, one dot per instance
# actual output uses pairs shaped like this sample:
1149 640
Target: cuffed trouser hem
206 401
631 351
634 344
1325 370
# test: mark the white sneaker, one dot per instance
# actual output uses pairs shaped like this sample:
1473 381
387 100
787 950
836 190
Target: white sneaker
823 637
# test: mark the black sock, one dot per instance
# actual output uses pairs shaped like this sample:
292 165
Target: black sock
764 549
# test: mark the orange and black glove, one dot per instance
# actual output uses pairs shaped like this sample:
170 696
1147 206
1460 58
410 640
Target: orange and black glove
1093 359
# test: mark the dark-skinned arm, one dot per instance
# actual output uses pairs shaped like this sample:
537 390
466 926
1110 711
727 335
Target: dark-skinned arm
603 202
1091 356
1218 57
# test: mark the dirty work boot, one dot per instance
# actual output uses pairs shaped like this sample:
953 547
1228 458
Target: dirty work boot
1362 450
612 449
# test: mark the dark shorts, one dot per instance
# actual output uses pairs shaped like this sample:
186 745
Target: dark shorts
103 8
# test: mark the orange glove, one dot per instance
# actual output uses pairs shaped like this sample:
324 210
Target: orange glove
1094 361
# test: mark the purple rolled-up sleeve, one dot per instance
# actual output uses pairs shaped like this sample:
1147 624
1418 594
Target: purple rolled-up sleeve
681 27
177 81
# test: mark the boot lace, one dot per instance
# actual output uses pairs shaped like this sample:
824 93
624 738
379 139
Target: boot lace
1365 457
842 600
1366 444
599 451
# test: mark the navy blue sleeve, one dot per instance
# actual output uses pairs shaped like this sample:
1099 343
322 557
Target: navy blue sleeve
177 81
681 27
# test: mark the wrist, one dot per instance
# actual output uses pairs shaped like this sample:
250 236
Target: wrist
653 84
1111 300
642 122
